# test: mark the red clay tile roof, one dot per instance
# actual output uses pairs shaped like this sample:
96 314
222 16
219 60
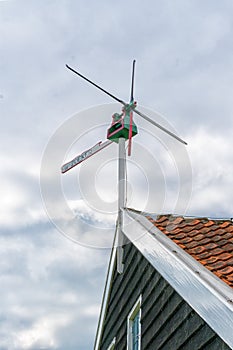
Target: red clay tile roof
209 241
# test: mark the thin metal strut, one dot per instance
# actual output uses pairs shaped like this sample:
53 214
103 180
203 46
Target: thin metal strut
132 83
98 87
142 115
131 112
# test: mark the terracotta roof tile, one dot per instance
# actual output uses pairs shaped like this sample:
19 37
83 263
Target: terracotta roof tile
192 244
180 235
228 235
229 229
222 242
200 237
225 256
225 224
197 250
216 251
228 247
211 246
177 220
210 260
227 270
209 223
185 240
218 265
192 233
217 239
171 227
208 241
220 231
204 255
230 278
213 233
206 229
161 219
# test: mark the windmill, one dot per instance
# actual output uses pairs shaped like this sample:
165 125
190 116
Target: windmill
121 129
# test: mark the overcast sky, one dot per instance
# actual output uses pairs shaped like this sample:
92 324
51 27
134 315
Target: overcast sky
55 247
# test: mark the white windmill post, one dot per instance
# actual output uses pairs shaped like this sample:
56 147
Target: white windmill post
121 202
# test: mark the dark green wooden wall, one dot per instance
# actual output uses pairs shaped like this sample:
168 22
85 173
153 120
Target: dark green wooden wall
168 322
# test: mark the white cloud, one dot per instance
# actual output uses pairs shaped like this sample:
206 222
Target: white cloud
42 333
212 164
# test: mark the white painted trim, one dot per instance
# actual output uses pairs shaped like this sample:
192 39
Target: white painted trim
133 312
105 298
211 298
112 345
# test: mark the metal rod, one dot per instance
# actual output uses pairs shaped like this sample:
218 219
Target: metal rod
99 87
160 126
121 201
132 83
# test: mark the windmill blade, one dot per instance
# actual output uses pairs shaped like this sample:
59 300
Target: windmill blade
160 127
97 86
125 104
131 113
132 83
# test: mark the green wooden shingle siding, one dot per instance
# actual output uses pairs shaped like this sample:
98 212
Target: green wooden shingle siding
168 322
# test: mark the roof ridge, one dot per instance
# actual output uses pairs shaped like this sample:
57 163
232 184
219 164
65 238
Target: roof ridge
204 217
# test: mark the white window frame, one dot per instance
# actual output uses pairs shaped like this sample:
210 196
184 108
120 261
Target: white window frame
136 308
112 345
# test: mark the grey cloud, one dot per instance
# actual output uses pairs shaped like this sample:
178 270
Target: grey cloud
44 278
183 52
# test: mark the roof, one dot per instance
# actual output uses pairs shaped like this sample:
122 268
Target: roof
209 241
194 255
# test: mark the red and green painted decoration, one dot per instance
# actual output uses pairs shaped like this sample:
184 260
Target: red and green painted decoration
123 124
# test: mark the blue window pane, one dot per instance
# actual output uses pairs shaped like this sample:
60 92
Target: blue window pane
135 332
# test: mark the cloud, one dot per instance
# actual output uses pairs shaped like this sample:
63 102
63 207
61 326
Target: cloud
51 287
48 286
212 174
41 335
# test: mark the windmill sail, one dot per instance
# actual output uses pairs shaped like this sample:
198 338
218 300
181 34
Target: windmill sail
127 105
